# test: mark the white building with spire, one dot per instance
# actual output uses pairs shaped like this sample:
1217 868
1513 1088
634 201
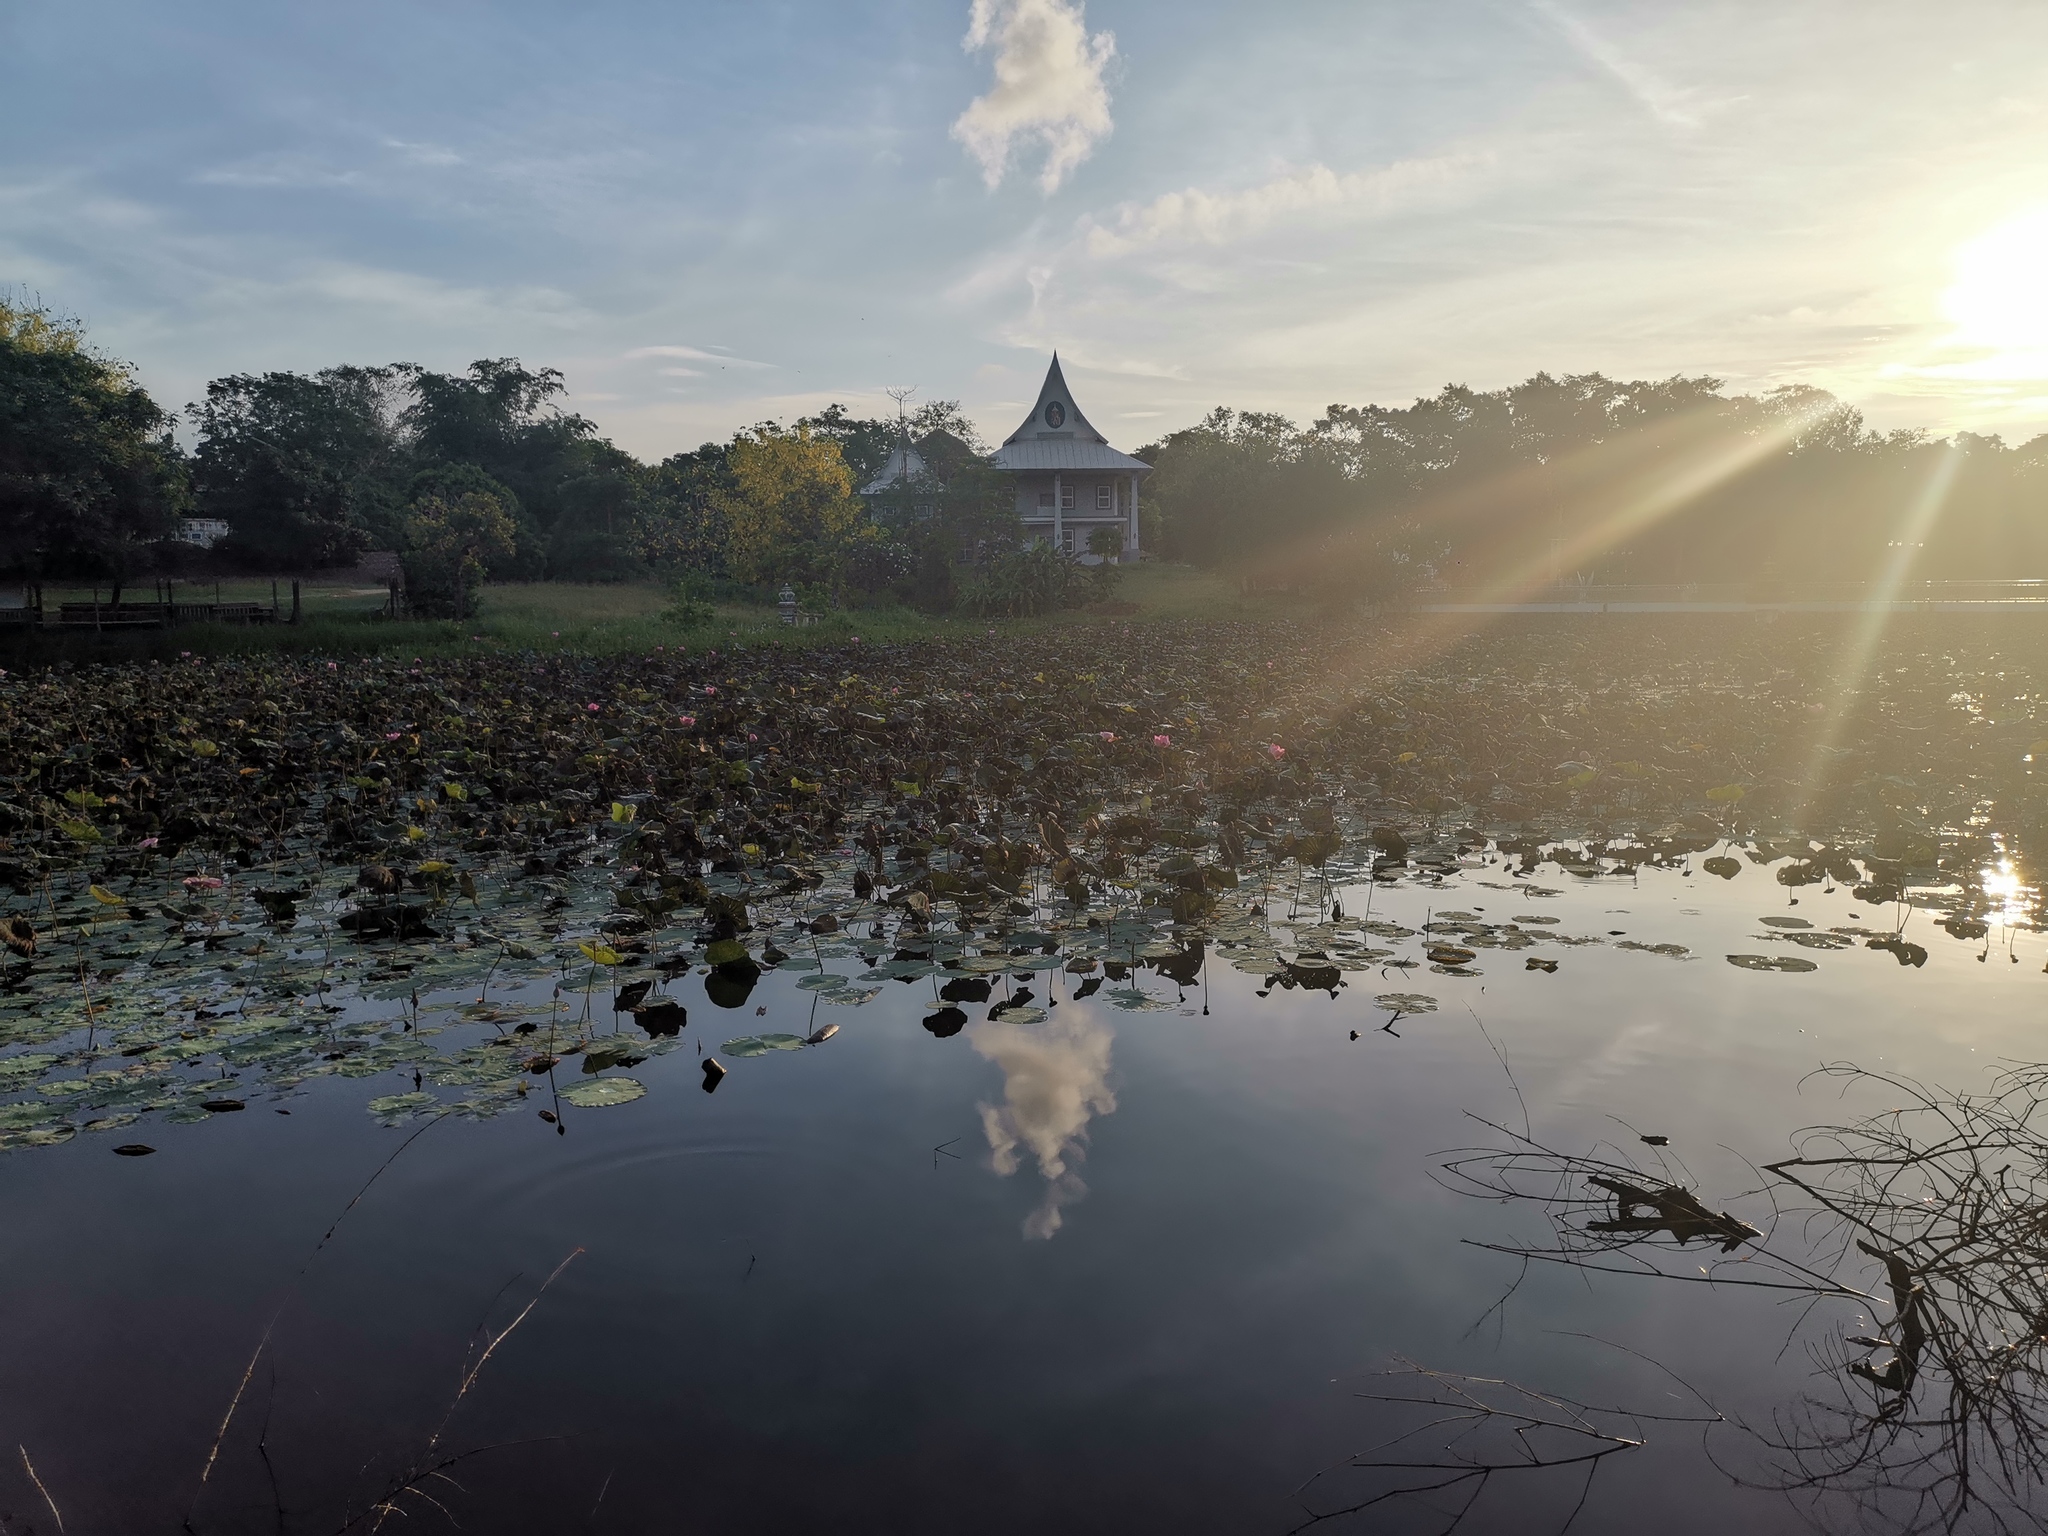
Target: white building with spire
1069 481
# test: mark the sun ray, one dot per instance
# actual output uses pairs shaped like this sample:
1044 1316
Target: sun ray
1867 627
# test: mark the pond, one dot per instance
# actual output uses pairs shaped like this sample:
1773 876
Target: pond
1207 1076
1074 1221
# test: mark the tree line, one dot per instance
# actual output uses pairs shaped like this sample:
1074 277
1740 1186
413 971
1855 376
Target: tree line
472 476
483 475
1587 478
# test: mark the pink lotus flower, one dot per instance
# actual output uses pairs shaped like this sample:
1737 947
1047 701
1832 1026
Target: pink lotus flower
147 842
1107 735
686 719
591 707
202 882
333 666
391 735
1162 741
752 737
1276 751
709 689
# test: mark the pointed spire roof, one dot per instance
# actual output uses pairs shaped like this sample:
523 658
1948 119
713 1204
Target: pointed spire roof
1056 416
1057 436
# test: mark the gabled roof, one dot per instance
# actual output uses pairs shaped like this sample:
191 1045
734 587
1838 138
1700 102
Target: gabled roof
1057 436
905 462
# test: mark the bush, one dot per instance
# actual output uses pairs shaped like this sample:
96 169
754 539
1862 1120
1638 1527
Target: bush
448 547
1024 583
690 605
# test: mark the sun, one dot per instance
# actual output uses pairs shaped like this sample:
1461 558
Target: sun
1999 298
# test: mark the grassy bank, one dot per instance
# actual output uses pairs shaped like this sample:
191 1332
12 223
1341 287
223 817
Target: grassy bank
587 619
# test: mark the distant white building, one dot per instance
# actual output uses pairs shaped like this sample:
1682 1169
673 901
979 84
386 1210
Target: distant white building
203 531
1070 482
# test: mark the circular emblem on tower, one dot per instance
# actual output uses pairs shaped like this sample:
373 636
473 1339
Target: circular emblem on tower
1055 413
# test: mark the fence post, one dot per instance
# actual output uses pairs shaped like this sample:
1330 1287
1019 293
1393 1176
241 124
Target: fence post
295 601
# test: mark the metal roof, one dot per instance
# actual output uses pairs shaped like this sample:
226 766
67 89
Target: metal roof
1057 436
1046 453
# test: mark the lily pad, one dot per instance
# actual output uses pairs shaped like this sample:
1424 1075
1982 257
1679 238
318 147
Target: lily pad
1407 1002
603 1092
1772 963
397 1108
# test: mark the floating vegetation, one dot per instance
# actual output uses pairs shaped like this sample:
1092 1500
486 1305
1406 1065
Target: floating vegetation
461 880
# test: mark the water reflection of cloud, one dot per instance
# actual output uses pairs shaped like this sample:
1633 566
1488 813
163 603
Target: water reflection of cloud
1055 1080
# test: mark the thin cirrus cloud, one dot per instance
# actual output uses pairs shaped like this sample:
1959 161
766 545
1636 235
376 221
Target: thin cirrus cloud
1201 216
1049 89
693 354
1678 107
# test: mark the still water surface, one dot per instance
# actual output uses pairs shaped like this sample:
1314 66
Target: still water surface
1116 1270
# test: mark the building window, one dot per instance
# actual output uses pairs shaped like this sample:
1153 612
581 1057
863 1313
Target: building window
1045 498
1068 539
1104 498
1066 498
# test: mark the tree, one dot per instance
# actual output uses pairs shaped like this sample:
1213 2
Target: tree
599 511
449 545
789 508
305 471
501 416
682 525
89 474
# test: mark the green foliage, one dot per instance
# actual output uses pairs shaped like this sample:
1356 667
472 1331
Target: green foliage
1026 583
1583 476
304 470
448 547
89 474
691 607
682 526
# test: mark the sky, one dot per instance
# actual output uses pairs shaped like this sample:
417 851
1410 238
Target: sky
711 214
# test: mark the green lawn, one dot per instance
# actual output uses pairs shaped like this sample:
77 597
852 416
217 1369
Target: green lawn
590 619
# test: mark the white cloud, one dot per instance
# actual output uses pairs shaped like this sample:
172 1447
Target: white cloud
1215 218
1665 102
1048 88
694 354
1055 1080
290 171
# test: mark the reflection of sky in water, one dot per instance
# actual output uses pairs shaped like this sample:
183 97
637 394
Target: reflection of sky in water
789 1304
1055 1078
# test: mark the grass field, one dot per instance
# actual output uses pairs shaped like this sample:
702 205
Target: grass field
589 619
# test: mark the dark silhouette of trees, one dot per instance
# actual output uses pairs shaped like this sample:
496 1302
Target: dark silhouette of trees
306 471
89 475
1587 477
